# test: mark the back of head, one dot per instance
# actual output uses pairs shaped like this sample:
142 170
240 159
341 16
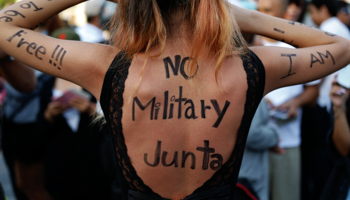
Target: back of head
276 8
343 7
330 4
138 26
299 3
93 8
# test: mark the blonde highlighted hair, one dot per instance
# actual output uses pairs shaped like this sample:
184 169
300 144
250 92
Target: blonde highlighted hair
139 25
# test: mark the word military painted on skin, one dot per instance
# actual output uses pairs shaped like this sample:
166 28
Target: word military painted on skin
154 107
214 161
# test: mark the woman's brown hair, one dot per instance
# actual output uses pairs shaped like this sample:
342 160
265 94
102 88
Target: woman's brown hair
139 25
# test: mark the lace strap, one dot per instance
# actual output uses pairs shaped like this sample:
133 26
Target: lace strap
106 91
112 104
228 173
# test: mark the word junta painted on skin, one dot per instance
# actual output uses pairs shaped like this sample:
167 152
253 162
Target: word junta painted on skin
214 161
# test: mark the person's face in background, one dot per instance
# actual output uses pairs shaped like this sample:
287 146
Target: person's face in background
344 16
316 14
293 12
271 7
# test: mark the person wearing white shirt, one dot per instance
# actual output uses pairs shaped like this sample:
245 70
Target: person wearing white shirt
91 31
285 170
323 14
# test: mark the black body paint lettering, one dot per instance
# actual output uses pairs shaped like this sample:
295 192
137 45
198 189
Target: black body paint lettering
220 112
157 110
174 162
31 46
29 5
179 65
207 151
182 69
166 100
278 30
142 107
18 34
41 50
59 57
38 52
190 108
189 111
330 34
7 19
315 59
160 157
326 56
168 61
14 13
184 158
22 42
216 164
204 108
290 65
171 112
156 155
180 100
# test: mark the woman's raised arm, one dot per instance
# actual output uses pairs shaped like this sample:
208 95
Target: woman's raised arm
318 53
82 63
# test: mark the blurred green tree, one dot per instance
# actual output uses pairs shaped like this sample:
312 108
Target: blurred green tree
4 3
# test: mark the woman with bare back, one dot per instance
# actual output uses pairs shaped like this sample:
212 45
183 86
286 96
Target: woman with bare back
179 86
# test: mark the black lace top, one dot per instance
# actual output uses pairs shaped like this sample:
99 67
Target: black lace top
112 102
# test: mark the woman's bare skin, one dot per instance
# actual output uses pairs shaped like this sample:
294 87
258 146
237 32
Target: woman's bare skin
86 64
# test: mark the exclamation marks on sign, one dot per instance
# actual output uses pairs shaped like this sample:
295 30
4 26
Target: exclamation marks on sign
59 53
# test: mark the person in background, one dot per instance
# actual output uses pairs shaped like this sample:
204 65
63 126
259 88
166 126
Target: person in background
317 160
241 83
343 12
338 184
20 77
91 31
295 11
17 74
74 161
23 147
286 103
262 136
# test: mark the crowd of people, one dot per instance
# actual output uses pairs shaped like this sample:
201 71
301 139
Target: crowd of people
50 145
288 154
297 147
